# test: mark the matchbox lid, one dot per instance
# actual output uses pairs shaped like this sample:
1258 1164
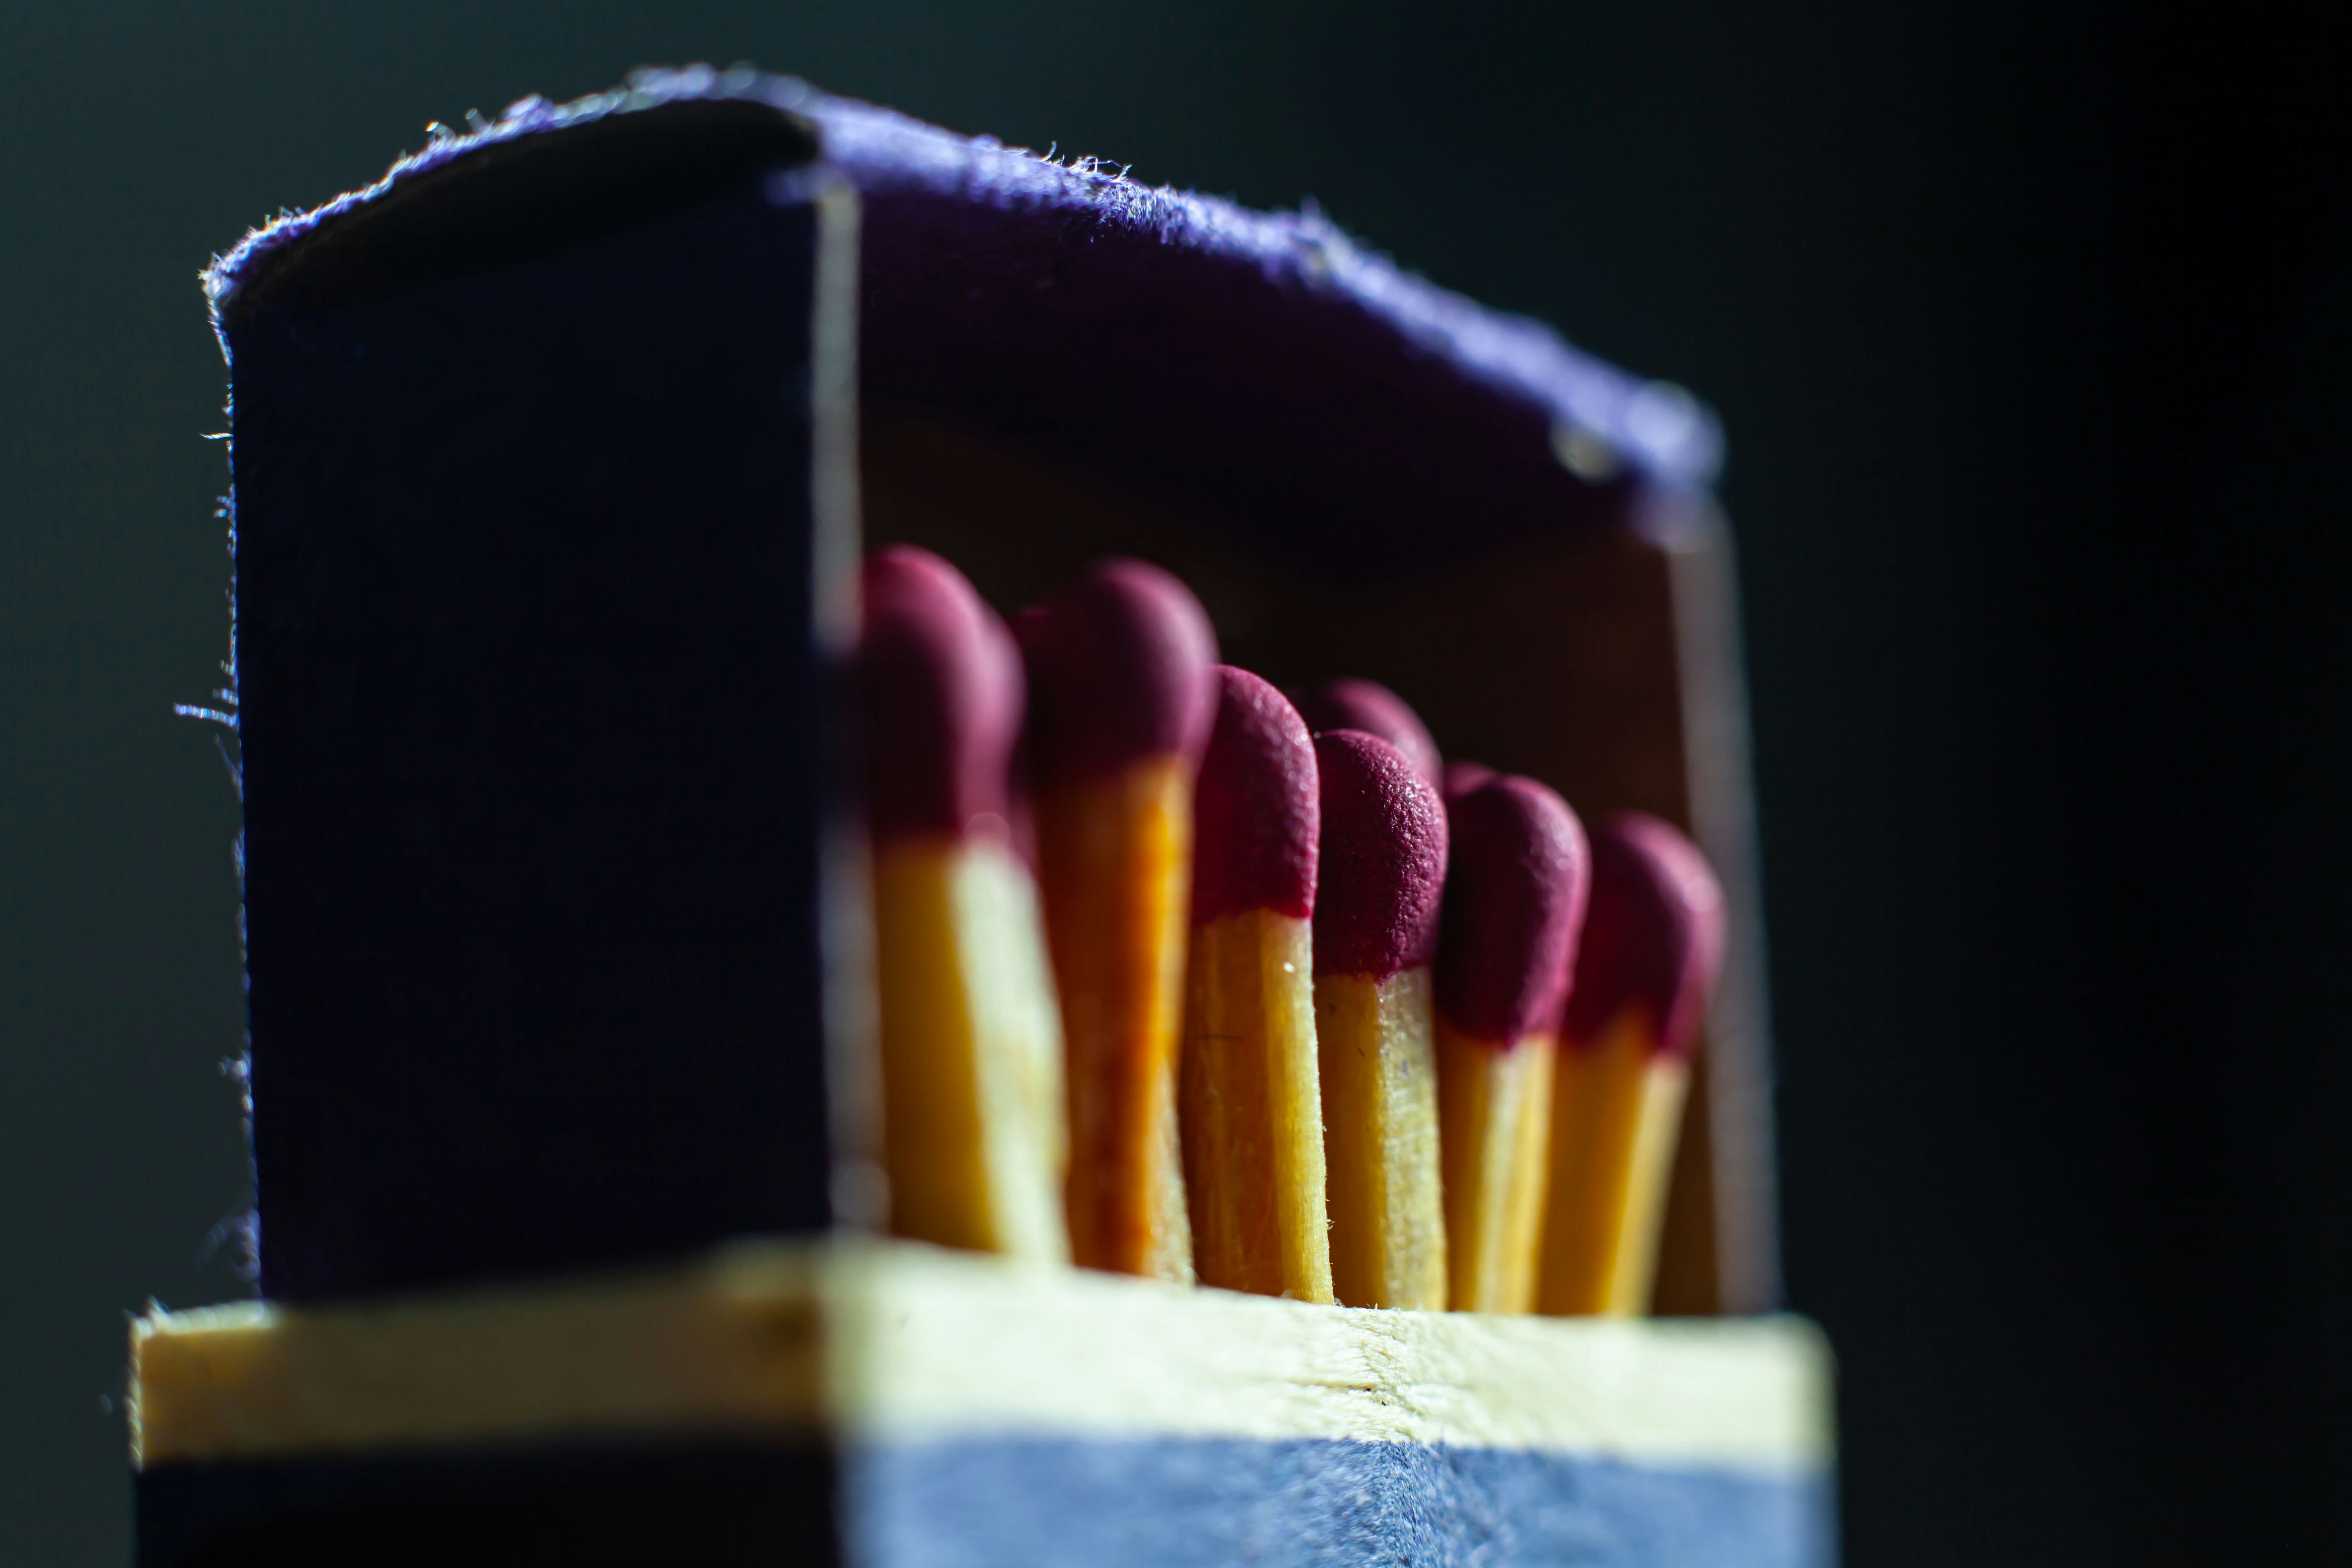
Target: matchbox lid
1263 369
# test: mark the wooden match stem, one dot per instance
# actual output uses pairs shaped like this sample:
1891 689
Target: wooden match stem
1494 1107
1115 856
971 1049
1375 1041
1617 1108
1252 1109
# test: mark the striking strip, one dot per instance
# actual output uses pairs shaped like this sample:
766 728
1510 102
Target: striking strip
1252 1106
971 1039
1653 942
1121 698
1380 875
1517 875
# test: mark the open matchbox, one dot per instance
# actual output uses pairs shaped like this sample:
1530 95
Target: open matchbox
554 453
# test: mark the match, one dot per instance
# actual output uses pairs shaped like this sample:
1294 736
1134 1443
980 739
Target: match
1653 942
1380 876
1122 694
1252 1106
971 1036
1516 876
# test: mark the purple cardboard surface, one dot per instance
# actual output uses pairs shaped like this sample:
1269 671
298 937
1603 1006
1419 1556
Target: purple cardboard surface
531 677
1263 367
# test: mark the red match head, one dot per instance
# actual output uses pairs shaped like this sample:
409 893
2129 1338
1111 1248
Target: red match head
1350 703
1255 811
1118 668
1461 778
938 686
1382 869
1653 935
1516 874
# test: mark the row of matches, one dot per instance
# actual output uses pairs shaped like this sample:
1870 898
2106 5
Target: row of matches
1181 976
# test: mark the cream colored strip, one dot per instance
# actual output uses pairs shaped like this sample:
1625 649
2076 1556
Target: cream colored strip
896 1342
734 1345
953 1343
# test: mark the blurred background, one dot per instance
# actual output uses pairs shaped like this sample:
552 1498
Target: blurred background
2028 325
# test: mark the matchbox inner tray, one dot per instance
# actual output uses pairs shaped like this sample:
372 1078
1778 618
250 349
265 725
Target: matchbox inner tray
554 455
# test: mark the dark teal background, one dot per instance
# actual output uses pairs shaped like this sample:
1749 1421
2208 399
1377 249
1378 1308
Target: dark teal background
2028 326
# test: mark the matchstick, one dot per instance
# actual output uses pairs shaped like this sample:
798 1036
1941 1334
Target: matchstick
1122 699
972 1040
1652 940
1516 880
1252 1106
1378 877
1350 702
